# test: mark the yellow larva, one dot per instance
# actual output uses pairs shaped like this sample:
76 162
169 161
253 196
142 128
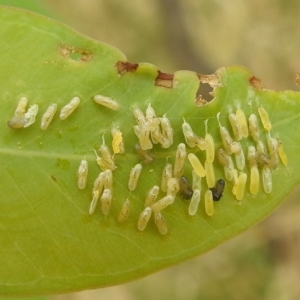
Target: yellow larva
108 179
252 156
225 136
82 174
106 199
273 149
107 102
99 182
146 157
160 223
94 202
210 174
254 180
48 116
197 165
144 218
236 129
253 127
134 177
173 187
18 120
240 186
267 180
264 117
124 213
196 181
210 150
151 195
281 153
69 108
179 160
162 203
166 175
194 203
209 203
235 180
241 118
117 141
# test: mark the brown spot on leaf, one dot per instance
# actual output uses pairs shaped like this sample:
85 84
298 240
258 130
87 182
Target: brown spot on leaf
75 53
298 78
164 80
256 82
213 79
200 101
124 67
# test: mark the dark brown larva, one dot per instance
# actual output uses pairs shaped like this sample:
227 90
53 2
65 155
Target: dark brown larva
217 191
186 190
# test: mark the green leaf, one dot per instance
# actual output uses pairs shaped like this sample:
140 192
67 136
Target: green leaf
49 242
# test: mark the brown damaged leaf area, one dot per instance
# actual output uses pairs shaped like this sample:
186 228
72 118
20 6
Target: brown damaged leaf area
75 53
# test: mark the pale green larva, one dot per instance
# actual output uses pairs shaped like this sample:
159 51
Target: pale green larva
173 186
264 117
194 203
196 181
107 102
108 179
151 195
99 183
106 199
225 136
209 203
48 116
196 164
251 156
236 129
124 213
253 127
166 175
281 153
134 177
144 218
254 180
160 223
210 174
267 180
228 171
240 159
241 118
240 186
82 174
179 160
94 202
162 203
69 108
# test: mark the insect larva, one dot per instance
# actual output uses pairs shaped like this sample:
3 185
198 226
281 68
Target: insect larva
273 149
144 218
260 147
264 117
225 136
18 120
209 203
162 203
210 174
69 108
264 160
167 129
48 116
194 203
240 160
186 190
94 202
155 132
144 138
173 187
21 107
196 181
235 180
146 157
267 180
254 180
253 127
237 132
166 175
160 223
217 191
241 118
134 177
188 133
223 157
30 115
235 147
151 196
107 160
179 160
117 141
197 165
139 117
124 213
150 113
108 179
106 199
99 182
240 186
281 153
210 150
82 174
107 102
251 156
228 171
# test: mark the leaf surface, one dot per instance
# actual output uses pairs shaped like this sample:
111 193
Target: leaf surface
49 242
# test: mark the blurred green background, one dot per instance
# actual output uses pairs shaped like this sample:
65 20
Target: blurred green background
203 35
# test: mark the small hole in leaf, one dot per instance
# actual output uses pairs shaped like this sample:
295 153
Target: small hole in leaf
204 94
